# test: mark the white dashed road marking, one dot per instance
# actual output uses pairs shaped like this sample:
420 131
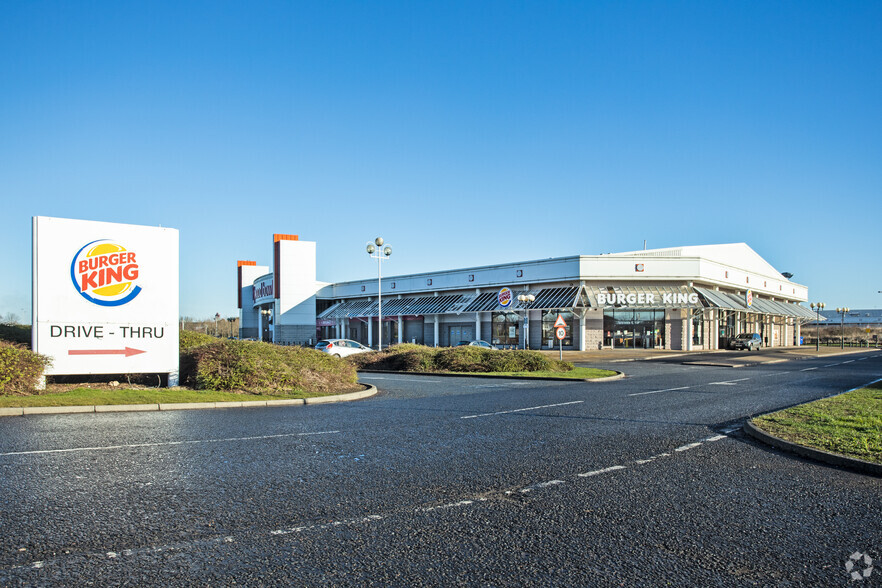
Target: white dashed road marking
165 443
486 414
659 391
602 471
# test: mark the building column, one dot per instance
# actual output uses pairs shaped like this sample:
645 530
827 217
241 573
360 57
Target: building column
797 327
583 329
259 324
688 330
400 329
437 330
478 325
370 324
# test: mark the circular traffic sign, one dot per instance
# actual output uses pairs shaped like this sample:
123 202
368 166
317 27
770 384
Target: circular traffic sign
561 333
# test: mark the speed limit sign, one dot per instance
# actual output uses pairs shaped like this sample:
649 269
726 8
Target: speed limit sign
561 333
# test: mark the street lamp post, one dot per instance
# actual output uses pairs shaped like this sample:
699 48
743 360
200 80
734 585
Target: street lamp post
380 256
216 316
526 299
842 312
817 307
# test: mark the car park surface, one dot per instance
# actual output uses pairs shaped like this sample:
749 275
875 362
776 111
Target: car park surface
642 481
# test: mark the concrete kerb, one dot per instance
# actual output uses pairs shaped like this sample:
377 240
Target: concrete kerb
32 410
618 376
834 459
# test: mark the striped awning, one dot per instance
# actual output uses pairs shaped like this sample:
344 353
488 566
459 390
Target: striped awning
544 299
728 301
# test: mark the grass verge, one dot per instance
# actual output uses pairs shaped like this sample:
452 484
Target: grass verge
98 396
849 424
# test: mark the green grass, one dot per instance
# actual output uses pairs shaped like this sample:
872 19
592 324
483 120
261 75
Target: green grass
93 396
849 424
577 373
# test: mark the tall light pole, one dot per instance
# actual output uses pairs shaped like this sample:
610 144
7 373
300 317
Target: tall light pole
216 316
526 299
842 312
817 307
380 256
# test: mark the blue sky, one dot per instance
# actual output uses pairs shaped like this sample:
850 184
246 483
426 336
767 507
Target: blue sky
464 133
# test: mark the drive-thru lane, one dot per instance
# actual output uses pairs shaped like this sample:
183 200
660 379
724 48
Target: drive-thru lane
444 480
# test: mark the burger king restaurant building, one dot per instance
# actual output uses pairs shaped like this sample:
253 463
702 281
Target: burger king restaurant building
689 298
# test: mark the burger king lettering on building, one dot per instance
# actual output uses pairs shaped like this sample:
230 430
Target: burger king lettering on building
105 297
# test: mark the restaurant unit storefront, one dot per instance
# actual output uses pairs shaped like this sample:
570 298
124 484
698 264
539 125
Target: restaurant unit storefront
691 297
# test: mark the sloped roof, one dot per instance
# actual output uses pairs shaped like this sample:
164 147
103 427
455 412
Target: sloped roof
739 255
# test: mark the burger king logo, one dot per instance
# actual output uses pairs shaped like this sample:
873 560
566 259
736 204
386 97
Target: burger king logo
504 297
105 273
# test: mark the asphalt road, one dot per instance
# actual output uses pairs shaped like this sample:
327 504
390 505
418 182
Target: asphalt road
446 481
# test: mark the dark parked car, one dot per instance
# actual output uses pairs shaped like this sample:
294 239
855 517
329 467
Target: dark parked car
748 341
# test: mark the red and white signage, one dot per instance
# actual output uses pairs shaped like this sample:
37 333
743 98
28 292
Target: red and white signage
105 297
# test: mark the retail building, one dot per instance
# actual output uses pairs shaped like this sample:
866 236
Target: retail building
691 297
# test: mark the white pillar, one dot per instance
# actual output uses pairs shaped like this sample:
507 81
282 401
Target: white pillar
478 325
689 328
370 324
437 327
400 329
583 331
259 325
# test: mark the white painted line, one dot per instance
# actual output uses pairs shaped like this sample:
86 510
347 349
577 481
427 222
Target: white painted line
367 519
603 471
542 485
849 361
716 437
831 365
474 416
729 382
688 447
659 391
504 385
459 504
643 461
164 444
808 369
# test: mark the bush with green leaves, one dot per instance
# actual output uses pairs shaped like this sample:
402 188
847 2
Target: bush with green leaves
14 333
190 339
253 366
466 359
20 369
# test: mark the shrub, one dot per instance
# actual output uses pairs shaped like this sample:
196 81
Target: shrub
253 367
20 334
20 369
465 359
190 339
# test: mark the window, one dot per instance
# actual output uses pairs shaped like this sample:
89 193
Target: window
506 329
549 339
634 328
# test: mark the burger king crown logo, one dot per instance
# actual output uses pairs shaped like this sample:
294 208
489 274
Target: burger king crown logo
105 273
504 297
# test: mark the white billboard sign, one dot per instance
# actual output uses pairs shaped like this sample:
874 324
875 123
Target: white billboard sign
105 297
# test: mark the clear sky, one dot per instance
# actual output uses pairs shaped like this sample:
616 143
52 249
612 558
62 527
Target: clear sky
464 133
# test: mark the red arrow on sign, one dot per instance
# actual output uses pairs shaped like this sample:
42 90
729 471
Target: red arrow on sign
128 351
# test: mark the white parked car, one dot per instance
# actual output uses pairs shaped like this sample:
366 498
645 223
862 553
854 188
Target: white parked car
341 347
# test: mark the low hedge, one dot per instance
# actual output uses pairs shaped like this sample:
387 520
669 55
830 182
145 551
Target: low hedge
419 358
20 369
256 367
13 333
